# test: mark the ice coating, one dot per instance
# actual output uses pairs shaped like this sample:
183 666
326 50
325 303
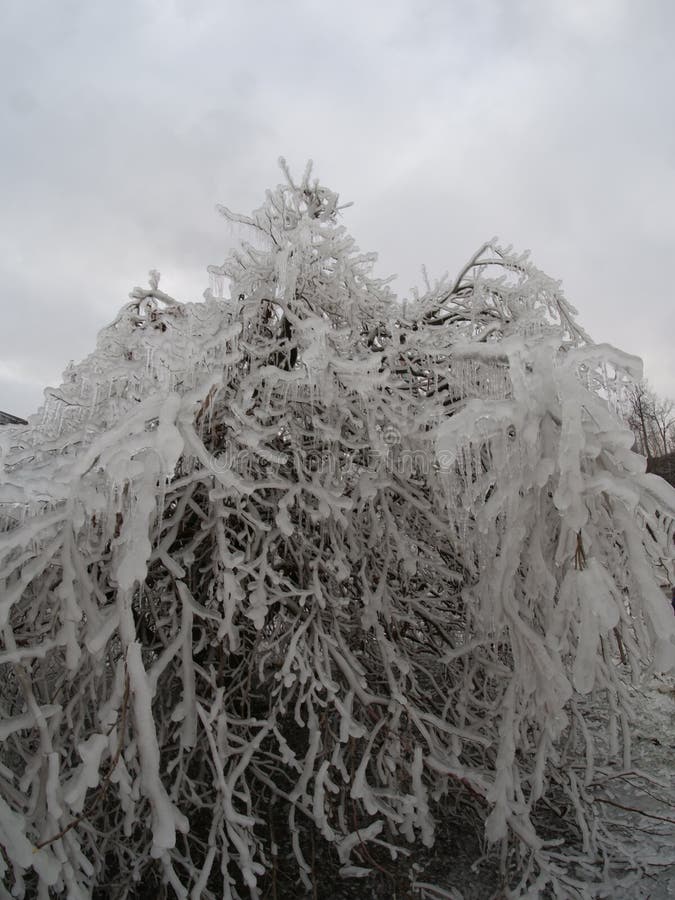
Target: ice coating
300 561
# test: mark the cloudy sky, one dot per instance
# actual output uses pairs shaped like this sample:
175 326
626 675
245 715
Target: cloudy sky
549 123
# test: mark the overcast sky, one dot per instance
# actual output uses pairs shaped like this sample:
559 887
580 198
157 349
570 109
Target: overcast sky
550 123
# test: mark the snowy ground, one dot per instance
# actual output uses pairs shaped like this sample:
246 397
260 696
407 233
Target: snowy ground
644 811
653 756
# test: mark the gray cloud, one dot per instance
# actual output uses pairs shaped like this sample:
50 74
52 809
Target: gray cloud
544 121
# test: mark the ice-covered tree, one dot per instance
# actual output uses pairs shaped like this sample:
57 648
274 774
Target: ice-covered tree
290 576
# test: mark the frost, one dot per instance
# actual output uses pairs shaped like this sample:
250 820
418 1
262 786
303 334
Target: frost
166 819
90 752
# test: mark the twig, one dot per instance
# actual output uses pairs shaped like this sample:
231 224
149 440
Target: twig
634 809
579 554
105 784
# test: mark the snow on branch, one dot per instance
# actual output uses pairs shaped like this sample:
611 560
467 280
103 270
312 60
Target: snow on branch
297 571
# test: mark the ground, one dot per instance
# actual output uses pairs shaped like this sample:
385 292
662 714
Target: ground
640 800
653 752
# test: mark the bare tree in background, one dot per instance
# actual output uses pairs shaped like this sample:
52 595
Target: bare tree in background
652 421
664 422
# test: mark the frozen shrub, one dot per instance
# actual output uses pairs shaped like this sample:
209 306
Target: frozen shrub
300 567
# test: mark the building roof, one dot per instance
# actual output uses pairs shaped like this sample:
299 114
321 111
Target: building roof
7 419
